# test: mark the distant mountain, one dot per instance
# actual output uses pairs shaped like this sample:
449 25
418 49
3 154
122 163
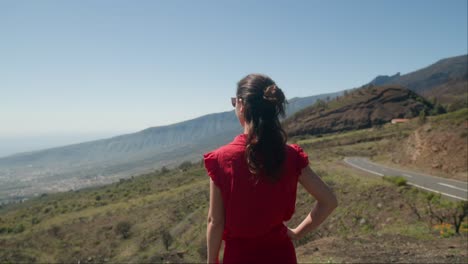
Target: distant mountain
445 80
361 108
107 160
383 79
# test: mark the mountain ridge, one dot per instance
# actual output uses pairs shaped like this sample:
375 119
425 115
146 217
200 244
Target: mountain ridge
106 160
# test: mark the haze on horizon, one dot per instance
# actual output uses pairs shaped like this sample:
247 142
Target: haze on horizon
81 70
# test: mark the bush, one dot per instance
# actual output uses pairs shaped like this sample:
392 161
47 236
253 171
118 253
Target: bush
35 221
123 229
184 166
397 180
18 228
167 238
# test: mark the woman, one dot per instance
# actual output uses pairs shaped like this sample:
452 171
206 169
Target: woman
254 181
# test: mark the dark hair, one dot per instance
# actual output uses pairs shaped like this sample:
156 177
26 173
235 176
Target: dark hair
263 102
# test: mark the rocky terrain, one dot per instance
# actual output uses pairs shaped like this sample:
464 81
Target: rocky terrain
361 108
438 147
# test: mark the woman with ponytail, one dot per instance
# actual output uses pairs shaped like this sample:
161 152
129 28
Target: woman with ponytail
254 182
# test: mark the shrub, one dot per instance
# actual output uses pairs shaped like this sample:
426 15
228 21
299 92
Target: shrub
35 221
18 228
397 180
123 229
184 166
167 238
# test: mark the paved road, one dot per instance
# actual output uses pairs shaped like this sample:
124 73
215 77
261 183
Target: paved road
456 190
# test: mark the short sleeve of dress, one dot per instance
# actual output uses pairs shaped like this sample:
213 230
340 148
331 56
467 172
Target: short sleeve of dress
212 167
302 159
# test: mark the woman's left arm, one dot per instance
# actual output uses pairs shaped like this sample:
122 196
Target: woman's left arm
215 227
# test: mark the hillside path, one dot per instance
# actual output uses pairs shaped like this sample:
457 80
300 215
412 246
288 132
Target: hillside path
453 189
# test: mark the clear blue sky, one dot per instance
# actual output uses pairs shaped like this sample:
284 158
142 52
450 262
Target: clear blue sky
114 66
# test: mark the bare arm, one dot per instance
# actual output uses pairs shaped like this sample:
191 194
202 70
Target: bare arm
215 227
326 203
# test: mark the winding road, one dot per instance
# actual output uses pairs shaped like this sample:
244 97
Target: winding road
456 190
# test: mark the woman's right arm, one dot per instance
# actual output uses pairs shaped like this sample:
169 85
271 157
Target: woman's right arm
326 203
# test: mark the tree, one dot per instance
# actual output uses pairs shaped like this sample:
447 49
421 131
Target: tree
438 109
446 211
461 212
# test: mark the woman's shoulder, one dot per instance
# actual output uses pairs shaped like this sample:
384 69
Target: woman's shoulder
225 152
294 148
298 154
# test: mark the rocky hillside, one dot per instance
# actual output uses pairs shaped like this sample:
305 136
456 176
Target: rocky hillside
361 108
437 147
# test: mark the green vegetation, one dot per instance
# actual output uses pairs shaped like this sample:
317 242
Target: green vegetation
127 220
161 216
453 118
397 180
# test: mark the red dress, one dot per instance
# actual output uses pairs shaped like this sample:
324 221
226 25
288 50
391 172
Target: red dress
254 231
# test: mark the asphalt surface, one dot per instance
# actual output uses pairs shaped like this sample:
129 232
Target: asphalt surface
453 189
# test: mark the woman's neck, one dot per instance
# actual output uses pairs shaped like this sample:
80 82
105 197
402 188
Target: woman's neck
246 128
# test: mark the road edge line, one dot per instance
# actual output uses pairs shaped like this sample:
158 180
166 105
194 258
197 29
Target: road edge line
432 190
420 173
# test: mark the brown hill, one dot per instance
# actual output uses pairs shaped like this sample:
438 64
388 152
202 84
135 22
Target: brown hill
453 94
439 147
361 108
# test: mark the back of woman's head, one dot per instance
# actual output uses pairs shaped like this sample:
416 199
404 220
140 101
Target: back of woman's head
263 103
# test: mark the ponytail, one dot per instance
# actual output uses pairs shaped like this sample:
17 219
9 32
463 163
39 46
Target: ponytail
264 102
